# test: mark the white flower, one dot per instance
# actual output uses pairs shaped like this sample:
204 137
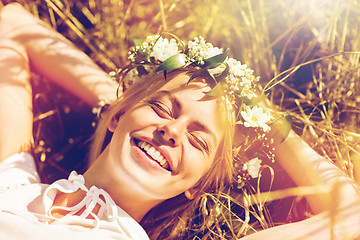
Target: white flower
163 49
236 68
253 167
132 56
212 51
256 117
199 50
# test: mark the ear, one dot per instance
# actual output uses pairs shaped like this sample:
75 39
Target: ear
113 123
191 193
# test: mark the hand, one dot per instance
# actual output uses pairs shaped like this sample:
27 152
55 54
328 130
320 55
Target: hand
54 57
14 19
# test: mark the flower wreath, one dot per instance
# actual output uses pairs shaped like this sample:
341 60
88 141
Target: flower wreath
235 82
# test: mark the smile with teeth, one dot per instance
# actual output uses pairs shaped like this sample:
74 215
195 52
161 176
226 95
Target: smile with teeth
153 153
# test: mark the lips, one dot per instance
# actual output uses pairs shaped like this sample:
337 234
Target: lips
153 153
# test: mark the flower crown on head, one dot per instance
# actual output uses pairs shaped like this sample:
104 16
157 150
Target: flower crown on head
234 81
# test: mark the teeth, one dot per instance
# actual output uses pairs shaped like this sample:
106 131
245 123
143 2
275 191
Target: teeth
164 163
155 154
147 147
151 151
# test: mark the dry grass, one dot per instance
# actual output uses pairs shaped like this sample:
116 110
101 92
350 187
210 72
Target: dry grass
306 52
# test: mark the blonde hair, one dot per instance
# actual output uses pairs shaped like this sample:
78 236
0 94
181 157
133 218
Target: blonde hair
176 213
127 100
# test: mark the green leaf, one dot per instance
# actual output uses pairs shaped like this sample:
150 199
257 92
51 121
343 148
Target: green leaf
165 73
138 42
177 61
202 71
286 126
216 91
217 59
195 75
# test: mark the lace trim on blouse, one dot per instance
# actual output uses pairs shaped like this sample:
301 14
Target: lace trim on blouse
108 209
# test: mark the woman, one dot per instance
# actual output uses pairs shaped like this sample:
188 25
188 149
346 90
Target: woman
171 139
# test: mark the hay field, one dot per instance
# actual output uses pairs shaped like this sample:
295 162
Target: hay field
306 53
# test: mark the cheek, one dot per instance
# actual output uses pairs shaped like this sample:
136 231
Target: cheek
197 163
138 118
205 164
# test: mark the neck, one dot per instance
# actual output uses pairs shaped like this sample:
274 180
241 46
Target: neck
124 194
70 200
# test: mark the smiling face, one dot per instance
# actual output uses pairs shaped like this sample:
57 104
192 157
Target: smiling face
164 144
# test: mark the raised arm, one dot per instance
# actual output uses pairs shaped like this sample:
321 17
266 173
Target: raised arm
307 168
54 57
27 43
338 209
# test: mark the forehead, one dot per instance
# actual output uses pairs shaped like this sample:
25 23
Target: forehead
196 89
181 81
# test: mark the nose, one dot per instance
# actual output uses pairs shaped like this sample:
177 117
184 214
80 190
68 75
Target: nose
172 131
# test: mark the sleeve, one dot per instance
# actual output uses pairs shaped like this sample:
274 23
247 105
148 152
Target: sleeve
18 169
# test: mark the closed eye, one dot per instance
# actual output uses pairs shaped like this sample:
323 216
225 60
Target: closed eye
198 143
161 109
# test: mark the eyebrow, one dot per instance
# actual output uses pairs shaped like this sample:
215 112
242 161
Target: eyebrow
176 102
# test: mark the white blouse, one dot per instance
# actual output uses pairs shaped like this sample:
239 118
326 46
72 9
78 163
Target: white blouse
26 206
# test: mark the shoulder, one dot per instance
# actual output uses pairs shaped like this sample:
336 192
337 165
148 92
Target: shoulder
18 169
